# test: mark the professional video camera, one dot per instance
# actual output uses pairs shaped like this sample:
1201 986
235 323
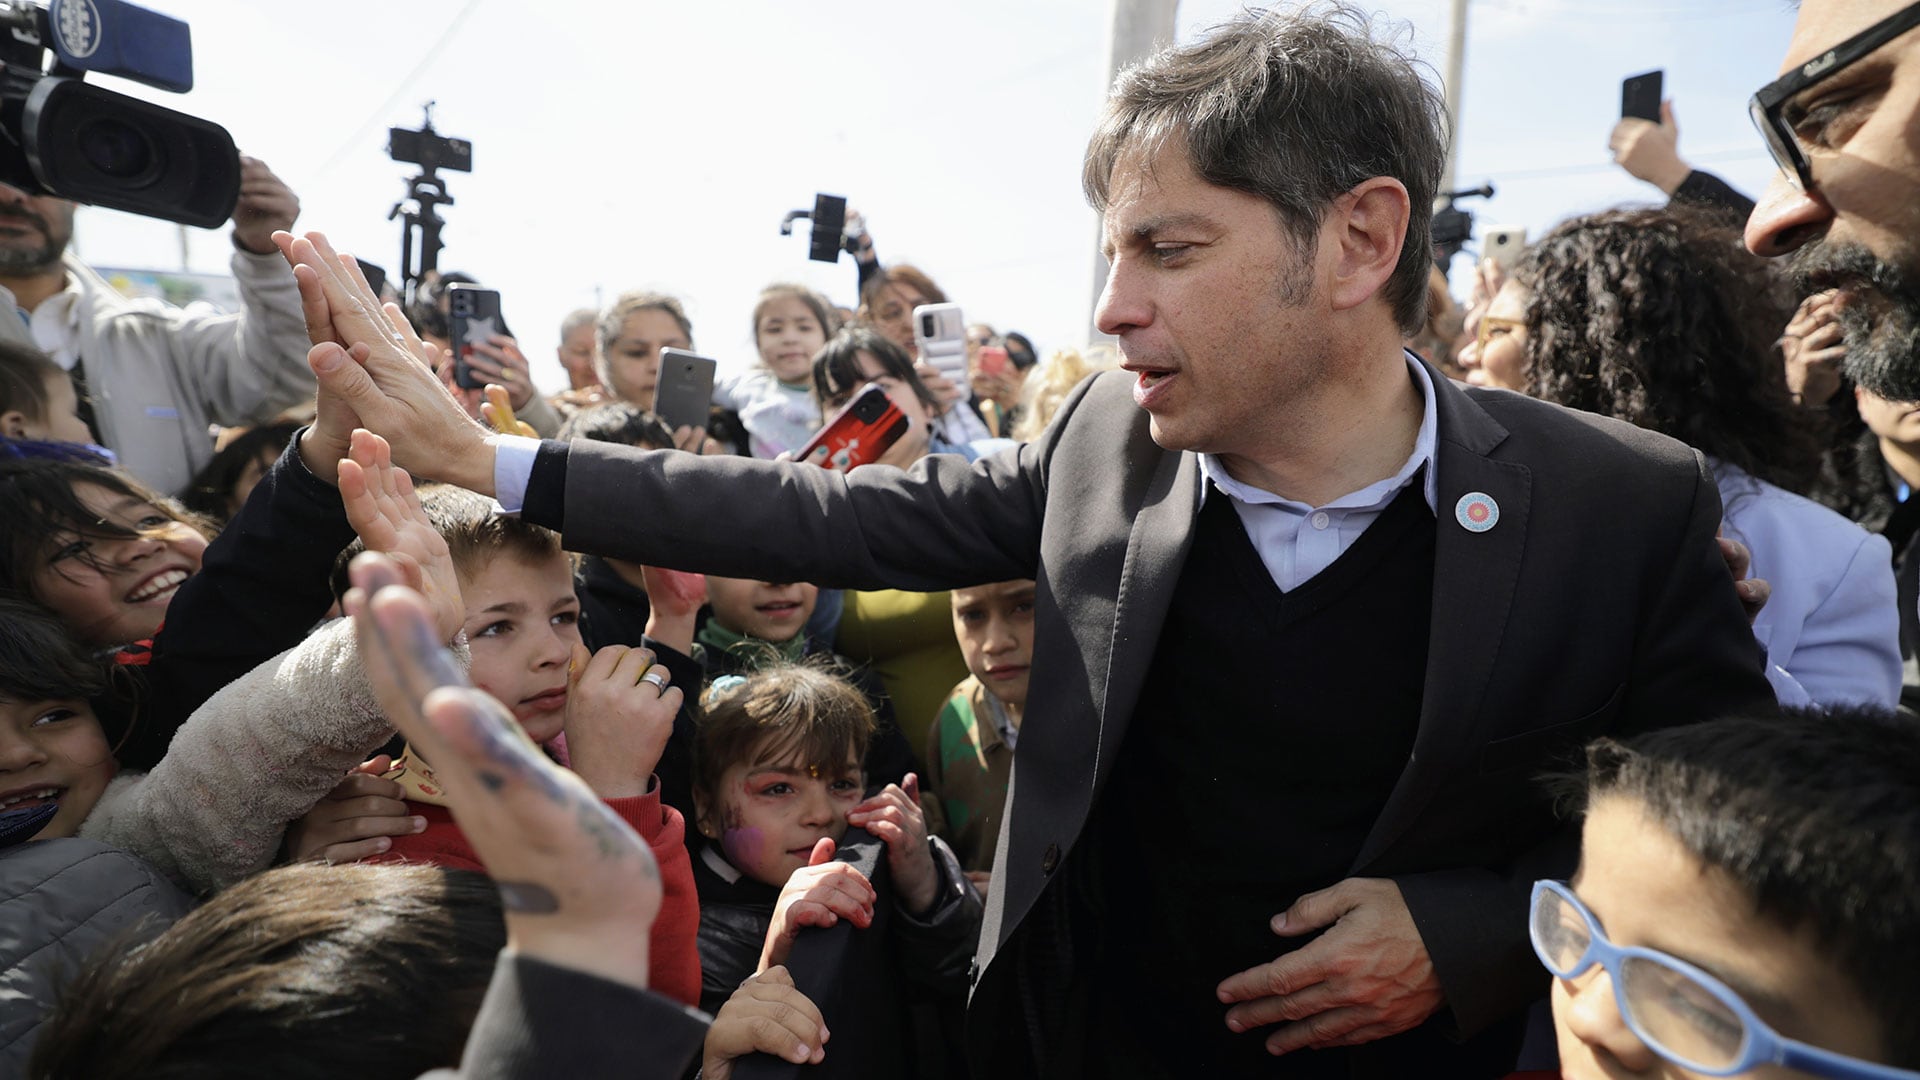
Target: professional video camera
60 136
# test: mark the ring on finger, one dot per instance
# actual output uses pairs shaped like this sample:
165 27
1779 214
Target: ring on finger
658 676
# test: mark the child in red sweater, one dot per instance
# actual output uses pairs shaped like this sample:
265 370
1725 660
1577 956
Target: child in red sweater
614 707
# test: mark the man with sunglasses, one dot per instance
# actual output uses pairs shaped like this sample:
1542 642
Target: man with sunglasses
1748 902
1846 205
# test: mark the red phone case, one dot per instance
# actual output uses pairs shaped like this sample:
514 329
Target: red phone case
859 433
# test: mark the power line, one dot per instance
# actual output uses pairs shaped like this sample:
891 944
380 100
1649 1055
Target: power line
377 116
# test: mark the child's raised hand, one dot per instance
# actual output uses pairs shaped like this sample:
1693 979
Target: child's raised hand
820 893
620 712
578 887
380 504
355 819
895 817
767 1015
674 592
673 601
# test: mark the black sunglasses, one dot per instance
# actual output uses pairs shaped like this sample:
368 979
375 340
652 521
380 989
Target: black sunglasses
1769 105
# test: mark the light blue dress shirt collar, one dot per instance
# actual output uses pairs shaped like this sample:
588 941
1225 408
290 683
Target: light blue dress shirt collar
1297 541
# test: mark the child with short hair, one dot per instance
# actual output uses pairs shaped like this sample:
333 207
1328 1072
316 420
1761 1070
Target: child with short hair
37 399
1747 900
970 745
775 399
615 707
777 782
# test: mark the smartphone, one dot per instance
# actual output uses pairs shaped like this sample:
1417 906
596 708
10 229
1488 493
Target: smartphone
473 315
992 360
940 333
859 433
1503 245
684 390
1640 96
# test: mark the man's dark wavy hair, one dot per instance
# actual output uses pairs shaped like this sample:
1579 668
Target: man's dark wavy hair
1661 318
1297 107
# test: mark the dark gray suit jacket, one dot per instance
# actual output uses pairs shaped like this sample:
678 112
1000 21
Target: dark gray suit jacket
1599 604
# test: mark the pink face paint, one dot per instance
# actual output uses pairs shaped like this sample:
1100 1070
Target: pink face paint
742 846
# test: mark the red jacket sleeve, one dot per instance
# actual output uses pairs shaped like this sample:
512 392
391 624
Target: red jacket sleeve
442 844
673 946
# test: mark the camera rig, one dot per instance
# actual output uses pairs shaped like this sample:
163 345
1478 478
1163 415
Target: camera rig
1453 226
426 192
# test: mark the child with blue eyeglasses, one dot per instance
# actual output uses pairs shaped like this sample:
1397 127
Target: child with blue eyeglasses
1747 902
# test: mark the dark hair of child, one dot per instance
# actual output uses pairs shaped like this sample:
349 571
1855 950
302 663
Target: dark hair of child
24 372
1815 814
790 713
39 660
211 489
617 422
836 367
307 971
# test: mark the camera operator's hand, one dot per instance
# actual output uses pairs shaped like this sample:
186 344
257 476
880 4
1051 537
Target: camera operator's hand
267 205
1650 151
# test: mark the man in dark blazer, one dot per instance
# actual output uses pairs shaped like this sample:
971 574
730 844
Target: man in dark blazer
1310 619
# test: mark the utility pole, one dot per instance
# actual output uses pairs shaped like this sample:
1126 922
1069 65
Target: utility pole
1456 74
1139 28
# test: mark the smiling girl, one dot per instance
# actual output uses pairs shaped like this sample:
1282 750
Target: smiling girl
95 547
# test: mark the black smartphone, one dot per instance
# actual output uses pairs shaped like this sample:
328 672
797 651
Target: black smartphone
1640 95
684 391
473 315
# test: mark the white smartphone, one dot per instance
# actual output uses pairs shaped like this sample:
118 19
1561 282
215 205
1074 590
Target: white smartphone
940 333
1503 245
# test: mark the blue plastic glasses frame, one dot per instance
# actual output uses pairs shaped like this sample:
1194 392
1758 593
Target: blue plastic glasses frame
1760 1044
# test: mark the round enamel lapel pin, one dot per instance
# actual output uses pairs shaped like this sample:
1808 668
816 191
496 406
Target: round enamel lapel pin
1476 511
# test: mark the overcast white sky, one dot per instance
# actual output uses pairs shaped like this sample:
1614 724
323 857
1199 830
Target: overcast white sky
658 144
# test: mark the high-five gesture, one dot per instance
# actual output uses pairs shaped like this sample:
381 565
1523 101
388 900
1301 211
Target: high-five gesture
368 358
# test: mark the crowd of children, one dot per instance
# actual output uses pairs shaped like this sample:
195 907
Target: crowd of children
306 769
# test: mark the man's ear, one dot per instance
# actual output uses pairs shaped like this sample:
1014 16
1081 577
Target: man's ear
1368 225
13 424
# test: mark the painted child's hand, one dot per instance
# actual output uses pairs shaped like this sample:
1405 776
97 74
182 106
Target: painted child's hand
895 817
381 506
767 1015
354 820
578 887
820 893
620 712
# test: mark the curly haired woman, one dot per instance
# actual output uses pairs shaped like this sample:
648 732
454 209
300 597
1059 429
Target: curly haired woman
1660 318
